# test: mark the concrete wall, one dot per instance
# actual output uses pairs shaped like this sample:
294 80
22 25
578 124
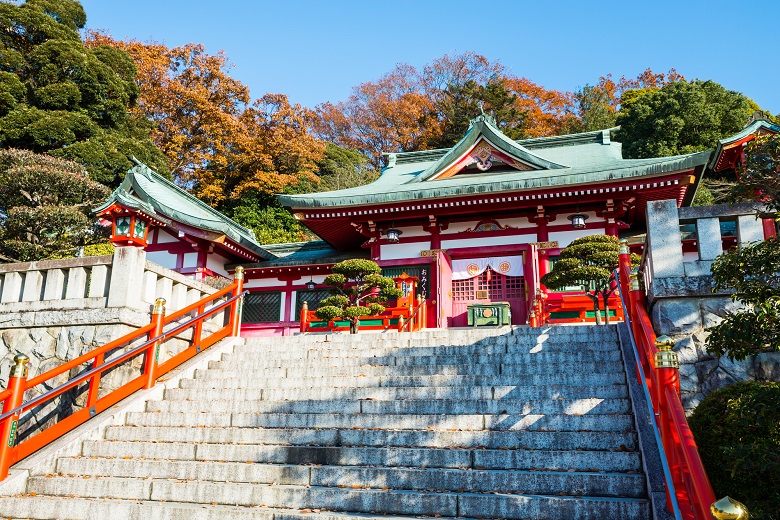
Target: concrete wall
56 310
680 295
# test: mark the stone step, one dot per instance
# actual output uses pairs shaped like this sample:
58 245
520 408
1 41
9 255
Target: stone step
493 346
232 360
452 457
592 483
236 370
612 391
509 506
443 406
624 441
448 335
71 508
476 422
578 379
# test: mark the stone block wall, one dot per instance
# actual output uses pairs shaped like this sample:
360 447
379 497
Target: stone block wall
681 298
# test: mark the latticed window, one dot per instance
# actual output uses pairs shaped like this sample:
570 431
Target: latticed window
496 286
262 307
313 298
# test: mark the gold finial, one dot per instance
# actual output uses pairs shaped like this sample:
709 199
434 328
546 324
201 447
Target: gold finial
624 247
665 357
20 367
634 277
729 509
239 274
159 306
305 305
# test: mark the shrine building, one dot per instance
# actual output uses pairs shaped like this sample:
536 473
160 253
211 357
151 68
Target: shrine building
479 222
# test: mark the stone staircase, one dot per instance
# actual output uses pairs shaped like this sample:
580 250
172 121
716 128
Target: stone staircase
518 424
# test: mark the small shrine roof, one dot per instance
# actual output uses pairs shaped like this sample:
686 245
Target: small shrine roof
725 154
144 189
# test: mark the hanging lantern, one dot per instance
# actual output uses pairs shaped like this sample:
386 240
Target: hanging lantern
311 284
393 235
578 220
129 229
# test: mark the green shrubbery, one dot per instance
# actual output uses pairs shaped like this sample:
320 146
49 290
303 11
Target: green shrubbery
737 429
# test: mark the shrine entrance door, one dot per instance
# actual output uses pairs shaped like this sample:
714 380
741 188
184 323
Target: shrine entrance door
487 287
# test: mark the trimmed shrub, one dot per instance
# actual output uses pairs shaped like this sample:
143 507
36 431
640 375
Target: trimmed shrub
737 429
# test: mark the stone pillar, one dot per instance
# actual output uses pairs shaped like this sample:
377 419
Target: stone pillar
749 229
97 281
127 272
12 288
33 285
708 233
55 284
663 235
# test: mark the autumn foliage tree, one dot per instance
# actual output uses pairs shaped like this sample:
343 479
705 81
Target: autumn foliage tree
231 152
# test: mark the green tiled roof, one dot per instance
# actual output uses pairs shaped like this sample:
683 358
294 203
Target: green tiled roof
752 128
305 253
571 160
145 190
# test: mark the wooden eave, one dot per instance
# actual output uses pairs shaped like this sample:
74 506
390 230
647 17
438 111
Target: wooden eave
347 227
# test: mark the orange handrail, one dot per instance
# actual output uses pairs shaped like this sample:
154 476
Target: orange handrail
692 488
12 451
418 323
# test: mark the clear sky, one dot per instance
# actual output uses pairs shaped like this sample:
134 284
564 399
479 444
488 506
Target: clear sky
316 51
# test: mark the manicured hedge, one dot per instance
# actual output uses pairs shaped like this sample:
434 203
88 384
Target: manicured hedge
737 429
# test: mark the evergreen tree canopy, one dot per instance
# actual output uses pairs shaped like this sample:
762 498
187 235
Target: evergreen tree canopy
46 203
58 97
680 117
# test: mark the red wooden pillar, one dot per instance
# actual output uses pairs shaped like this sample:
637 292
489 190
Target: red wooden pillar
769 228
17 384
153 353
235 310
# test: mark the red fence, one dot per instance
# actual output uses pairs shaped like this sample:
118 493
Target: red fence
693 492
18 384
403 318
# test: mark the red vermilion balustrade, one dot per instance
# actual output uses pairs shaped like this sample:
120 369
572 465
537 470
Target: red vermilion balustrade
693 492
12 451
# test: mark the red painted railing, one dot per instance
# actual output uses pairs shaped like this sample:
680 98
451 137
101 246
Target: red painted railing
692 489
12 451
398 317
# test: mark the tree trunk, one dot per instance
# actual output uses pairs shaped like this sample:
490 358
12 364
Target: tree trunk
354 325
596 310
605 296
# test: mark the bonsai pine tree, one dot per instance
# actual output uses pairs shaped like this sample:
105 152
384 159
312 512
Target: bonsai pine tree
590 261
361 291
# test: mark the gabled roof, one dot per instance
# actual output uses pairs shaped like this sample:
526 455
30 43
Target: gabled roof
483 128
569 160
145 190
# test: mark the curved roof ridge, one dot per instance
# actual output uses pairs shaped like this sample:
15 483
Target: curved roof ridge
482 126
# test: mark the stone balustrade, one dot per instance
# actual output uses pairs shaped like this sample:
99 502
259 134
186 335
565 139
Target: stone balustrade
55 310
680 247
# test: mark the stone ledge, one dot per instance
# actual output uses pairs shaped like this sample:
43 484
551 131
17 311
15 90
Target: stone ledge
683 287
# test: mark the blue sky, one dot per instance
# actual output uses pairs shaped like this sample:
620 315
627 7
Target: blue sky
316 51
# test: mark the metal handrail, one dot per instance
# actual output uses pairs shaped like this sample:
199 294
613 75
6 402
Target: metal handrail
54 392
